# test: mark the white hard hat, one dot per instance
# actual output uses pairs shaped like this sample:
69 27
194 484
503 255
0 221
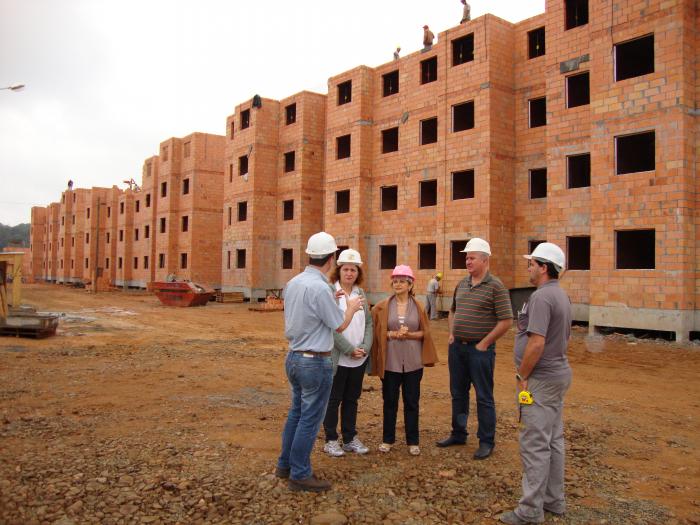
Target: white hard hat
549 252
349 256
320 244
477 245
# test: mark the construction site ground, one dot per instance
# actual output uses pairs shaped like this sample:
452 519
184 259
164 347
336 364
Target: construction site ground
140 413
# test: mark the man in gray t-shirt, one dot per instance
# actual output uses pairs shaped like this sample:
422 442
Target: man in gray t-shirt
542 369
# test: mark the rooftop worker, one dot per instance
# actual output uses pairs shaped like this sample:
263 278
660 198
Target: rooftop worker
428 37
542 369
481 313
310 316
396 53
466 12
350 354
431 296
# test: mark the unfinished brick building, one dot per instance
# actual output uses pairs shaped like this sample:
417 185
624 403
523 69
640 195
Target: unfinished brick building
577 126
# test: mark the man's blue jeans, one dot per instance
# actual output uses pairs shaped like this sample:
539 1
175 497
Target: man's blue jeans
469 366
310 379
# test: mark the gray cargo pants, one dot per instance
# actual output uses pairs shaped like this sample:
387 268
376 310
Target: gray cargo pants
542 450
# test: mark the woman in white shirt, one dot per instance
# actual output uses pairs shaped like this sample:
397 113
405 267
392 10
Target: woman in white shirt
350 359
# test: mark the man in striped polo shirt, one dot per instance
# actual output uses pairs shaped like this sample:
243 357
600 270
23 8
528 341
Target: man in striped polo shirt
481 313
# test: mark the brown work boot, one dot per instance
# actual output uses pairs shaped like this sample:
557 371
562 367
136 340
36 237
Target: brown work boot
310 484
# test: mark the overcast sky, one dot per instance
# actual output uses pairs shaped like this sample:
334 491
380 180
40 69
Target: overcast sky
108 80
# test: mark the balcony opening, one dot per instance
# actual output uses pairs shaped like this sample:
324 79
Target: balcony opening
635 249
578 253
345 92
287 258
458 261
634 58
136 234
183 261
428 193
390 140
240 258
342 145
578 168
163 193
389 198
538 183
428 131
243 211
145 262
288 210
390 83
463 116
138 206
578 90
427 256
342 201
463 185
535 43
576 13
148 203
162 225
463 50
136 263
185 223
243 165
161 260
146 231
634 153
245 119
290 114
185 187
428 70
289 161
538 112
387 257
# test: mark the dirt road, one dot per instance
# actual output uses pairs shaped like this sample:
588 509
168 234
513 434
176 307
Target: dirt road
139 413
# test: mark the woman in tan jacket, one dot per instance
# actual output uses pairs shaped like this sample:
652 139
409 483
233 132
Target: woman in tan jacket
401 347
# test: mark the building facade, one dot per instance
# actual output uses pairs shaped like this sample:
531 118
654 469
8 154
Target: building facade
578 126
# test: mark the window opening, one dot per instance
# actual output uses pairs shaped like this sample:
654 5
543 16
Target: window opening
243 165
240 258
428 193
390 83
287 258
428 131
390 140
458 261
576 13
635 249
578 169
289 160
578 253
634 58
389 198
344 92
634 153
428 70
342 147
538 183
185 186
463 116
243 211
538 112
342 201
290 114
463 185
463 50
183 261
185 223
426 256
288 210
578 90
245 119
387 257
535 43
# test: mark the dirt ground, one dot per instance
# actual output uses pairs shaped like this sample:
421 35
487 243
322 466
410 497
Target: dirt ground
140 413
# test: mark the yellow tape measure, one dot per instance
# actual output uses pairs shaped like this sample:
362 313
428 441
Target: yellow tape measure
525 398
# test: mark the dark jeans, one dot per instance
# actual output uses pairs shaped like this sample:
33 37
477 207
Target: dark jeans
346 390
469 366
409 383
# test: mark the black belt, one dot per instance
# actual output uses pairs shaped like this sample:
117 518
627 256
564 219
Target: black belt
306 353
465 341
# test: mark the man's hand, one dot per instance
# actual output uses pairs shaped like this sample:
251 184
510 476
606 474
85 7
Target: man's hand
358 353
451 339
355 303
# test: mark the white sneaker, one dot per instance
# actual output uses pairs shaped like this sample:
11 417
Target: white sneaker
332 448
355 446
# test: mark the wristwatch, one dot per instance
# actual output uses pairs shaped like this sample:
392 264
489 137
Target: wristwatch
519 377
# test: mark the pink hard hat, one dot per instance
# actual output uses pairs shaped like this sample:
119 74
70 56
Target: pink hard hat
403 270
